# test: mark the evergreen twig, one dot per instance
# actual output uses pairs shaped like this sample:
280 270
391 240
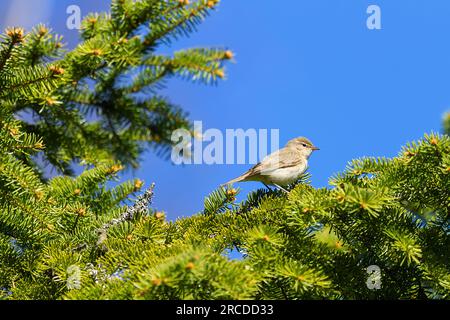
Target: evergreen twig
140 206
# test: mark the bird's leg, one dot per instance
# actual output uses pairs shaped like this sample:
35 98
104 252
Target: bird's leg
281 188
267 186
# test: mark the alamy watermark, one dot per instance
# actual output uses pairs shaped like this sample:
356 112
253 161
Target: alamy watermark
73 277
74 18
374 20
374 280
213 146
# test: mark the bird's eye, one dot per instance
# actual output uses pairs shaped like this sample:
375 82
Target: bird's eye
305 145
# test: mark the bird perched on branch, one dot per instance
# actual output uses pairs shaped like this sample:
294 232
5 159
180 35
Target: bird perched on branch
282 167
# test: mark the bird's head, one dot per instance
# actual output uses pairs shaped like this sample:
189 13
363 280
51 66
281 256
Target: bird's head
303 145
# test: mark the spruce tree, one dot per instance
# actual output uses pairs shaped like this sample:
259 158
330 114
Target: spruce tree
74 237
310 244
101 101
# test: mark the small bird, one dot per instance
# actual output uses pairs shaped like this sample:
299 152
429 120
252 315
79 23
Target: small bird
282 167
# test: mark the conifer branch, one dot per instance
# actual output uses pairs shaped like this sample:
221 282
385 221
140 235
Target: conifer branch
140 206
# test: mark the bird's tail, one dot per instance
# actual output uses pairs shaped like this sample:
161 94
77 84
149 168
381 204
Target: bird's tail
238 179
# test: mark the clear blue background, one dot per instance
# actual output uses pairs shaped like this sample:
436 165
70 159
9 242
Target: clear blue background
308 68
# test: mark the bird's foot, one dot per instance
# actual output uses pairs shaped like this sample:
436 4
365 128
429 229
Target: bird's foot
281 188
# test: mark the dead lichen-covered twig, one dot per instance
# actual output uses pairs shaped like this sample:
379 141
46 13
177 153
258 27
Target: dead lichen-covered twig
139 206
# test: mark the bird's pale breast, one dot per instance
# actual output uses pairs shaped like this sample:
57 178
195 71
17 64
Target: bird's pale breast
285 176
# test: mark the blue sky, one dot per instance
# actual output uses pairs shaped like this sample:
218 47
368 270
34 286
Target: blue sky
306 67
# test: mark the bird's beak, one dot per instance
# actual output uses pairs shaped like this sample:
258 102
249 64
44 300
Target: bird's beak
314 148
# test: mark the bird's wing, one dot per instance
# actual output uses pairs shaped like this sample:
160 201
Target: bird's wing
283 158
